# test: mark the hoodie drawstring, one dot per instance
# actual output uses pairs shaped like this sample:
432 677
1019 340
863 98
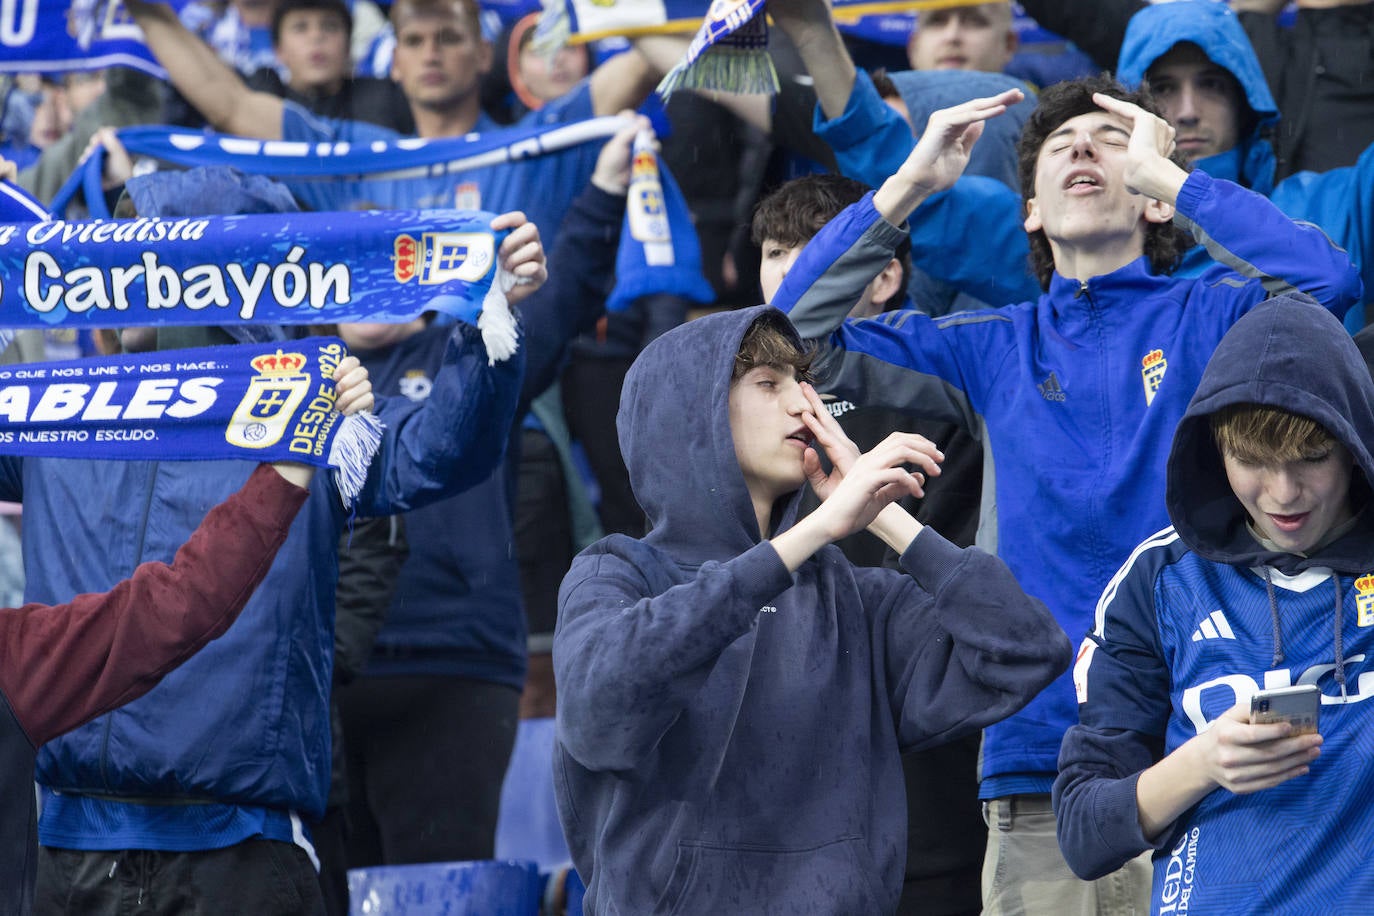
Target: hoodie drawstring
1339 643
1340 647
1274 616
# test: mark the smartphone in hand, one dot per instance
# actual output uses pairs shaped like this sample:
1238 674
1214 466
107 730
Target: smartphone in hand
1297 705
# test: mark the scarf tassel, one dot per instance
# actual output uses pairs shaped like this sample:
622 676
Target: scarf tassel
351 453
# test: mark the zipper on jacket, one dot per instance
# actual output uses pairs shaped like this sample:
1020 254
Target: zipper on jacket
138 558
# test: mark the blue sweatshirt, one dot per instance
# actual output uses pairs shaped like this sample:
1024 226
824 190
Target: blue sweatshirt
1200 617
1074 395
983 217
729 734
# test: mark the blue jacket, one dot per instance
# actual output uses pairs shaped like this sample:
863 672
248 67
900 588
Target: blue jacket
244 723
985 218
1200 617
457 607
729 734
1074 395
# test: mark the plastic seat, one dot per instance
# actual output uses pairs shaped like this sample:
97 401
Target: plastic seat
528 827
488 888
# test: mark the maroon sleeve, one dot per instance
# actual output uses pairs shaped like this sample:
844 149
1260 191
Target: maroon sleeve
65 664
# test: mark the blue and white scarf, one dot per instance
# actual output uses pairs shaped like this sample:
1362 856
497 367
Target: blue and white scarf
637 274
264 402
284 268
729 50
659 250
299 161
40 36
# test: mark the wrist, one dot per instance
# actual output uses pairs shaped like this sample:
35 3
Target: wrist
895 527
900 195
610 186
797 544
1162 179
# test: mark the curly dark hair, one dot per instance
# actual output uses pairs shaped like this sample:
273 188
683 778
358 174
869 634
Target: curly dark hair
1164 242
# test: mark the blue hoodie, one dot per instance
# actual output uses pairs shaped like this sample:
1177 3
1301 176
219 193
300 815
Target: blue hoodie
1201 616
1340 202
729 734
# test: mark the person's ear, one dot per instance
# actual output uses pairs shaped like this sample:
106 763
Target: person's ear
1032 222
888 283
485 58
1157 211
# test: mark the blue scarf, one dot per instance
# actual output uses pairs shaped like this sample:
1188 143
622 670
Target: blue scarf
637 275
730 49
44 36
283 268
659 250
264 402
18 206
399 159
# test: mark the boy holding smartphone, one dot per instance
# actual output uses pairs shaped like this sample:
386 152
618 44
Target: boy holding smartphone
1264 581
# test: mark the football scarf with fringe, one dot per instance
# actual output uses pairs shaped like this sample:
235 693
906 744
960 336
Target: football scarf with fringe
274 269
730 49
263 402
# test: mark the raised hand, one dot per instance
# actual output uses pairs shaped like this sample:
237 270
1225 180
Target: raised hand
352 387
612 171
940 156
1148 169
859 486
942 153
522 254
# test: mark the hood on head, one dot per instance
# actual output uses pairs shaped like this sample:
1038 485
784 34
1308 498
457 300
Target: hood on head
1212 26
207 190
674 430
1288 353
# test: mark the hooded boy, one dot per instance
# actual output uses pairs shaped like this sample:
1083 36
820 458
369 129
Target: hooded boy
1204 75
1263 581
733 695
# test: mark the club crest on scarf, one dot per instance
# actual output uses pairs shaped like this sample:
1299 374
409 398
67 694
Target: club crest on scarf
648 217
444 257
272 397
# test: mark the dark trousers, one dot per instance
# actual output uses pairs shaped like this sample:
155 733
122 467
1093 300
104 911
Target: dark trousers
263 877
425 758
591 393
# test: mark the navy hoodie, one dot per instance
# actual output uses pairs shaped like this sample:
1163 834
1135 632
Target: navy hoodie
1201 617
729 733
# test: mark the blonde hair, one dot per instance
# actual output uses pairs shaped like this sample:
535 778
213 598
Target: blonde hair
1262 435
